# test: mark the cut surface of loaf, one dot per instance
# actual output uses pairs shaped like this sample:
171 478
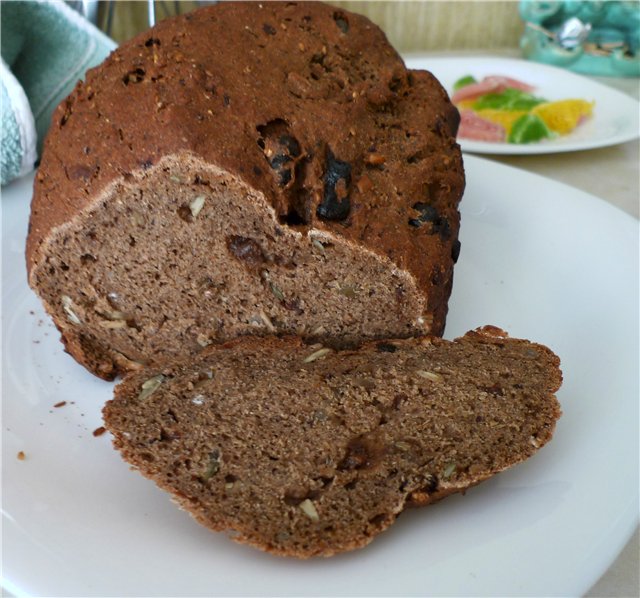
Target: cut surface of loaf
249 168
305 451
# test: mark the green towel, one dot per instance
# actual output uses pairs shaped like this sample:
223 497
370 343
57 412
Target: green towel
46 48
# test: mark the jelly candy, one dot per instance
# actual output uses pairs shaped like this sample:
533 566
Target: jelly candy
529 128
464 81
502 117
509 99
565 115
500 107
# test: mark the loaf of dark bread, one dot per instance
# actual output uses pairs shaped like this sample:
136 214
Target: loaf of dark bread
249 168
303 451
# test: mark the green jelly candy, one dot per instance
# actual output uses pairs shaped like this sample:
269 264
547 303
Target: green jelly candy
463 82
529 128
510 99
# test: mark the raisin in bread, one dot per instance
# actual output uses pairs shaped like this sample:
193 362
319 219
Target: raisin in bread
304 451
249 168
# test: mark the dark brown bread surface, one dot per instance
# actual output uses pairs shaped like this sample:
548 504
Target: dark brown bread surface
304 451
249 168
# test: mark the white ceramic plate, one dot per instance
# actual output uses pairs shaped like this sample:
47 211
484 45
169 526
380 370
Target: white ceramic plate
615 118
539 259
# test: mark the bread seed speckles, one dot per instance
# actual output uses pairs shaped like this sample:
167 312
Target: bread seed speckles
67 305
319 246
309 509
114 315
196 205
150 386
317 355
430 376
114 299
213 465
276 291
267 321
348 291
129 363
402 445
448 471
203 340
113 324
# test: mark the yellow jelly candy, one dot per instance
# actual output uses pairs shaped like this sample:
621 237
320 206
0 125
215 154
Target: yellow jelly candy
565 115
466 104
505 118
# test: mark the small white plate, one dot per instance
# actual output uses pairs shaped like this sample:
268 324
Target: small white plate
557 266
615 116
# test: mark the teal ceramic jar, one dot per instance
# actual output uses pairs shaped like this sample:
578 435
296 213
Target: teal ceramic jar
591 37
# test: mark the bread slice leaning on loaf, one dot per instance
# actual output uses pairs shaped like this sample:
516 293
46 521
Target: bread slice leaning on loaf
305 451
248 168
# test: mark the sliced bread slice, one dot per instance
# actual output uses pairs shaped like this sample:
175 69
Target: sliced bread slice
302 450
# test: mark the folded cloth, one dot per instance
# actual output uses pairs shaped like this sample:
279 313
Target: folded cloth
18 128
46 47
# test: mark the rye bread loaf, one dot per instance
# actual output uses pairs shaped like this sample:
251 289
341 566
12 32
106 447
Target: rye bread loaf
249 168
305 451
